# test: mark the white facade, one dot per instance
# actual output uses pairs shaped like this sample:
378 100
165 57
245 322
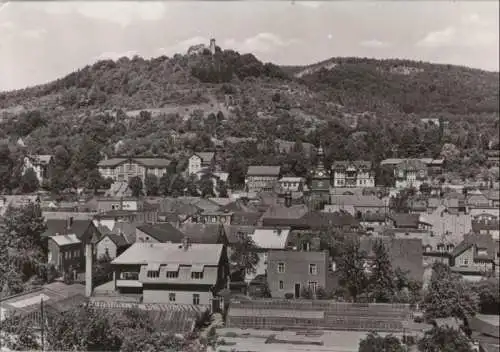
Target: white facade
353 178
194 165
39 164
291 184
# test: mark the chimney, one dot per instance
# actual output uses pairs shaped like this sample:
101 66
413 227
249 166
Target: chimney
185 243
288 199
88 269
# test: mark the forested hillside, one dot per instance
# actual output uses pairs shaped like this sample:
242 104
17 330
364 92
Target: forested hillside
356 108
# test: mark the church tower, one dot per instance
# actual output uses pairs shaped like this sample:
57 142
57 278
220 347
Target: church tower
320 183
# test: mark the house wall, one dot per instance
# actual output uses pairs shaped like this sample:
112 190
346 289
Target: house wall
104 244
296 271
123 283
258 183
128 170
184 295
466 260
194 164
106 205
66 257
474 211
360 180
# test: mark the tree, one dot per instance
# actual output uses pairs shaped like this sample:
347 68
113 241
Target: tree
136 186
382 287
191 187
151 184
206 186
444 339
18 334
244 256
221 189
425 188
29 181
178 186
164 184
22 247
448 295
94 180
6 167
375 343
489 296
85 159
350 265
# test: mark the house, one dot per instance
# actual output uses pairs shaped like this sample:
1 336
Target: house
111 245
357 204
123 169
112 217
410 173
485 331
215 217
347 174
41 165
66 240
444 221
409 221
404 253
486 224
291 184
105 204
283 215
474 256
293 271
434 166
287 147
201 162
262 178
172 273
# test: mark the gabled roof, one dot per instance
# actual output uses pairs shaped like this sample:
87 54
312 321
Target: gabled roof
125 229
64 240
261 170
246 218
271 238
147 162
357 164
484 242
119 240
163 232
357 200
206 157
170 253
406 220
203 233
57 227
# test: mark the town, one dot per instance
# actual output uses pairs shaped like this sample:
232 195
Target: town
334 257
264 196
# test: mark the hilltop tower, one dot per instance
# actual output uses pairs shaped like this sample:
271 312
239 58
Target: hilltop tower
212 46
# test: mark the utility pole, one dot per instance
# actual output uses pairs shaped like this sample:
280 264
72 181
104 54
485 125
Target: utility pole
42 325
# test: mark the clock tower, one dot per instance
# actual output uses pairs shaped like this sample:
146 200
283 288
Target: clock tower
320 183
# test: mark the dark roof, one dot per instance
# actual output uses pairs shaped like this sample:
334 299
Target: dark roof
233 232
318 219
480 225
125 229
477 241
163 232
119 240
263 170
405 220
60 227
203 233
148 162
245 218
357 164
405 253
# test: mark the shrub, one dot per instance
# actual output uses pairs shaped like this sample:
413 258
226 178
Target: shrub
289 295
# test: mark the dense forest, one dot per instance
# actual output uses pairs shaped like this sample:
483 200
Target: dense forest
356 108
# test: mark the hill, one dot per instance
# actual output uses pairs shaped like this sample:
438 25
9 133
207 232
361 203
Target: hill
357 108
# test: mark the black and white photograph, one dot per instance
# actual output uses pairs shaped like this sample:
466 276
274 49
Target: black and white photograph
250 176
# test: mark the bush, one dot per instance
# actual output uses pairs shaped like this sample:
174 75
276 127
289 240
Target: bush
306 293
289 295
321 293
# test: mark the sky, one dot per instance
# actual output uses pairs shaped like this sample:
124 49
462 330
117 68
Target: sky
43 41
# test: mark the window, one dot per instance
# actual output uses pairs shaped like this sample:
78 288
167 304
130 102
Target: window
281 268
282 285
313 269
313 285
153 274
196 299
465 261
172 274
197 275
171 297
129 276
106 251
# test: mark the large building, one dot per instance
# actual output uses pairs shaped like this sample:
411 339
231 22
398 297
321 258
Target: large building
200 162
410 173
350 174
41 165
123 169
262 178
172 273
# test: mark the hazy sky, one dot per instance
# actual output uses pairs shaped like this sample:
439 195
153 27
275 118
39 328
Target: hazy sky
41 41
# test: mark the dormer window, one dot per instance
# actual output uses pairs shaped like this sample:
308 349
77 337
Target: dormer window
153 271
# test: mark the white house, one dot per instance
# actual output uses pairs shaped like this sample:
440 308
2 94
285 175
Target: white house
40 165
